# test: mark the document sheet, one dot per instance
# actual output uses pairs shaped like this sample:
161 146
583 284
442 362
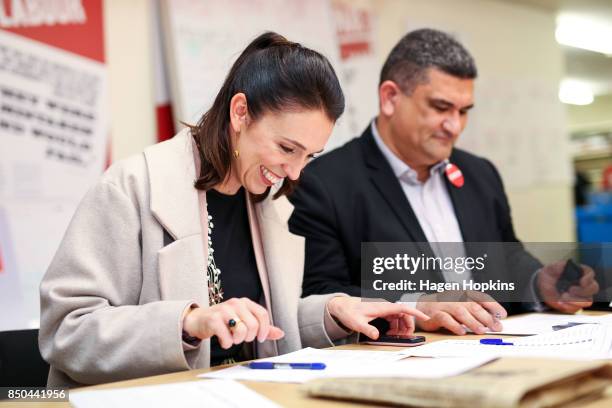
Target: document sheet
207 393
582 342
547 322
350 363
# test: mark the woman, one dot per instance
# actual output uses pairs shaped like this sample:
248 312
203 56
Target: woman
157 273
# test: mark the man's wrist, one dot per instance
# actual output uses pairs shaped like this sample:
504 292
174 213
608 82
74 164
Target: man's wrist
535 286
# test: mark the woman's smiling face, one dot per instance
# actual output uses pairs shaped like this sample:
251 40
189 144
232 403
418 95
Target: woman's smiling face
277 145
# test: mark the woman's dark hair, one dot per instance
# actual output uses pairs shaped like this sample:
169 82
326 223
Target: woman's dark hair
275 75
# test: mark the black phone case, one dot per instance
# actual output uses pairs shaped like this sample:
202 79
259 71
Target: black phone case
571 276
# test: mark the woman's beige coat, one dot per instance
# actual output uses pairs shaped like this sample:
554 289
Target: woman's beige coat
113 296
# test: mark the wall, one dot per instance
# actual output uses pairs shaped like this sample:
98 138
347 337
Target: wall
596 116
130 75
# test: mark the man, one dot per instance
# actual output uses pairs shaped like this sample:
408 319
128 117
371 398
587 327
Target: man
393 184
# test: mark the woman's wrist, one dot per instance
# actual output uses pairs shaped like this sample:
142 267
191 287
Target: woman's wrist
332 305
190 327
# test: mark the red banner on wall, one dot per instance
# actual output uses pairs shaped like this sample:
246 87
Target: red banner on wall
72 25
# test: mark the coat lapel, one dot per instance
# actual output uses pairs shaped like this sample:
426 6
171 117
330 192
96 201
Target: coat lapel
174 200
387 185
466 212
469 217
267 348
175 204
283 253
259 252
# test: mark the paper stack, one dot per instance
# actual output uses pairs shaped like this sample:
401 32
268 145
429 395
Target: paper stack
582 342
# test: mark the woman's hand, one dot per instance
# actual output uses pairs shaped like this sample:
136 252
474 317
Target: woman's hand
252 321
355 314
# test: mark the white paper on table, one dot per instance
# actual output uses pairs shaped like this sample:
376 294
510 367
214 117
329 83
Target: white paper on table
352 363
583 342
208 393
540 323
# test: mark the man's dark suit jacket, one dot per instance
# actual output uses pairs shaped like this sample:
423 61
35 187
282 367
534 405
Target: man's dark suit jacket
351 195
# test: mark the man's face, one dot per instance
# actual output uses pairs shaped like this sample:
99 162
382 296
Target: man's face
426 124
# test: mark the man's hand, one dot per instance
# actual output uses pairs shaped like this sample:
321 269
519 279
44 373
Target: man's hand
477 311
356 313
576 297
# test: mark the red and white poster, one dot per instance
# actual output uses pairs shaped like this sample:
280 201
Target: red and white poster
355 23
53 136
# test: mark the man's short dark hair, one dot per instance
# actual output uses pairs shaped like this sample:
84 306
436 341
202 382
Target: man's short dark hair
420 50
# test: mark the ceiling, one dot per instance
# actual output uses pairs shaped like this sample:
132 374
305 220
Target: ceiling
587 66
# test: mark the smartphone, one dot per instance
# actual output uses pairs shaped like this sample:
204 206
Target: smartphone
571 276
398 341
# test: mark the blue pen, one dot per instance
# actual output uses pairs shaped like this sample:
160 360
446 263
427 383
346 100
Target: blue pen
270 365
495 342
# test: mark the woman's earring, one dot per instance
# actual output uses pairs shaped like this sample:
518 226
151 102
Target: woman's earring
236 152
